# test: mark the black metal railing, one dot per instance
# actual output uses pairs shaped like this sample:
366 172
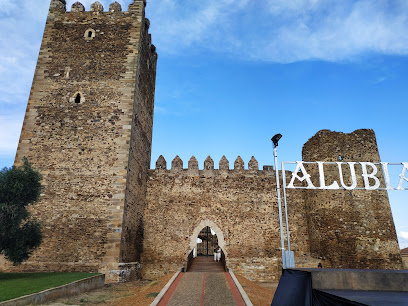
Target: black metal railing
223 261
190 259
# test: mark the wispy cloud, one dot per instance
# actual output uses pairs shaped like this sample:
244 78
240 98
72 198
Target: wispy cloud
7 6
21 28
380 80
10 128
20 36
403 235
403 239
160 110
282 31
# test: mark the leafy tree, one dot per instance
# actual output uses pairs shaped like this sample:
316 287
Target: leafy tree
19 234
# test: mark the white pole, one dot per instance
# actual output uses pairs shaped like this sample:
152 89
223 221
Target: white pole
286 206
275 153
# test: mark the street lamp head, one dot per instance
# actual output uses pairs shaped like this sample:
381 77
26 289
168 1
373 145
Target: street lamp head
275 139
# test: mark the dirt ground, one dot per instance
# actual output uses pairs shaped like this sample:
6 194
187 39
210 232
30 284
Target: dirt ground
259 294
140 293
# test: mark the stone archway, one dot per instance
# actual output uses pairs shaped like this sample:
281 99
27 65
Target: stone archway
199 227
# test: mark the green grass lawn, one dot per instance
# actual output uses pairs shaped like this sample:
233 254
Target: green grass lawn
14 285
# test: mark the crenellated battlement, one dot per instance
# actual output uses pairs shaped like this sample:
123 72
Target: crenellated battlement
97 16
177 165
96 7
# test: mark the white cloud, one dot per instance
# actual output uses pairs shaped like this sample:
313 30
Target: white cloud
294 6
403 239
7 6
380 80
10 128
20 36
403 235
160 110
282 31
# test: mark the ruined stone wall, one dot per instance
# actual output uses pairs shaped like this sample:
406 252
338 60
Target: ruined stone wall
90 93
351 229
239 204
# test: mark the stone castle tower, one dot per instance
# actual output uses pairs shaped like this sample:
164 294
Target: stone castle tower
88 130
351 229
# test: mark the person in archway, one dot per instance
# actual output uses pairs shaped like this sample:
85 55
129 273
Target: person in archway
215 253
218 253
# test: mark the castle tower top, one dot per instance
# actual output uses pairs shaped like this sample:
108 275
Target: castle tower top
60 6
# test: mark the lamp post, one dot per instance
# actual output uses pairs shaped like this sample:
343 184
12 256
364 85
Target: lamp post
275 139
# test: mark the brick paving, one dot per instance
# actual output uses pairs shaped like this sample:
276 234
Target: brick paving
203 288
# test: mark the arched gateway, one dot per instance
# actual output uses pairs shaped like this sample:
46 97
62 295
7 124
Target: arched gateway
202 264
216 229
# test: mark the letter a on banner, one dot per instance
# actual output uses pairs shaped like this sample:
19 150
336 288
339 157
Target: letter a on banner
305 176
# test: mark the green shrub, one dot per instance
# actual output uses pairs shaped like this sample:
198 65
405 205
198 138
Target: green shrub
19 234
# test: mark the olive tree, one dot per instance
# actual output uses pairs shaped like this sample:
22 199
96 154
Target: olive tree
20 234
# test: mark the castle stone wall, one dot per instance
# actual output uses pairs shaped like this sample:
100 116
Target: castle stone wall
239 204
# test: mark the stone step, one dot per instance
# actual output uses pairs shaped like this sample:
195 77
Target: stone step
205 264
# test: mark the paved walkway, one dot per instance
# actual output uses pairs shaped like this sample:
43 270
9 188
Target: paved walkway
202 288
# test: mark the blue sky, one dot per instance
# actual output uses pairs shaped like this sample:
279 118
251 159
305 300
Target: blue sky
232 73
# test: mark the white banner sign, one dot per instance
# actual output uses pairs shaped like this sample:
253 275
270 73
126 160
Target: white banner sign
370 175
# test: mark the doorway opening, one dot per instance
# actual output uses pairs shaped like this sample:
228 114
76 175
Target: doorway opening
204 257
207 241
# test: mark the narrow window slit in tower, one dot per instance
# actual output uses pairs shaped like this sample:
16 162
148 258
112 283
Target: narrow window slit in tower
78 98
89 34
